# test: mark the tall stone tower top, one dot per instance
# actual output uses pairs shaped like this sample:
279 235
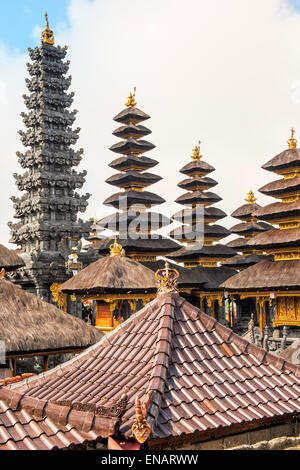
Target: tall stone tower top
48 209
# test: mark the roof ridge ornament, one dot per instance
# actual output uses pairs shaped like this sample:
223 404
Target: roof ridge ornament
47 36
196 152
116 249
167 280
251 199
141 429
131 103
292 142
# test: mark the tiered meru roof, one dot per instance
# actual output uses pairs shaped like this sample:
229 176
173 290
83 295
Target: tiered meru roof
203 377
133 178
198 185
282 242
249 227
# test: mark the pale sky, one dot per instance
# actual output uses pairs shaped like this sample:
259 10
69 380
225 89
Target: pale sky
225 72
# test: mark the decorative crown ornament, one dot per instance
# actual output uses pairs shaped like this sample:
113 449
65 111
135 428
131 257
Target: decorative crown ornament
116 249
292 142
196 152
131 103
251 199
167 280
141 428
47 36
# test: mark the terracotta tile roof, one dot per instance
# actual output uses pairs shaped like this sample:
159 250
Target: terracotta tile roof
28 423
203 376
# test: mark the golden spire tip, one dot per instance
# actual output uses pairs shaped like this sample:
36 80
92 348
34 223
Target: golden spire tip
292 142
196 152
116 249
131 103
47 36
251 199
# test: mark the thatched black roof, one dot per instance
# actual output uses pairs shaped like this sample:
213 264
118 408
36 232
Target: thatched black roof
191 252
130 162
134 197
156 245
275 238
244 261
281 187
245 212
132 146
197 167
191 215
121 220
266 275
198 197
212 231
131 132
277 210
238 244
287 159
112 274
131 116
30 325
197 183
250 227
9 260
132 178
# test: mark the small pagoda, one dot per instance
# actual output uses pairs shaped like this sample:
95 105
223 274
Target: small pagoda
134 222
200 232
248 228
119 286
275 285
48 209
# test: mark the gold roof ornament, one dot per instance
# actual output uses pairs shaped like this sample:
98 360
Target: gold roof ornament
47 35
116 249
141 428
196 152
292 142
167 280
131 103
251 199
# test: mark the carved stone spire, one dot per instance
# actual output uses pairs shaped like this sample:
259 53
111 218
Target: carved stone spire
48 209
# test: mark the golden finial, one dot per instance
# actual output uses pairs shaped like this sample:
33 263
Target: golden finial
196 152
47 35
116 249
141 428
2 273
251 199
131 103
167 280
292 142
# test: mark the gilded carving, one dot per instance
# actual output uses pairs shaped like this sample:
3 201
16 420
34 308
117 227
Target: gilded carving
59 297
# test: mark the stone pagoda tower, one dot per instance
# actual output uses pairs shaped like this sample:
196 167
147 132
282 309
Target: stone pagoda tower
248 228
202 247
48 210
135 222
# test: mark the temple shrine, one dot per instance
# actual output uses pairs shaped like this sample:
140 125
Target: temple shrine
120 286
135 222
274 284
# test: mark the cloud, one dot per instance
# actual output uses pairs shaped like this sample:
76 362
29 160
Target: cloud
227 73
